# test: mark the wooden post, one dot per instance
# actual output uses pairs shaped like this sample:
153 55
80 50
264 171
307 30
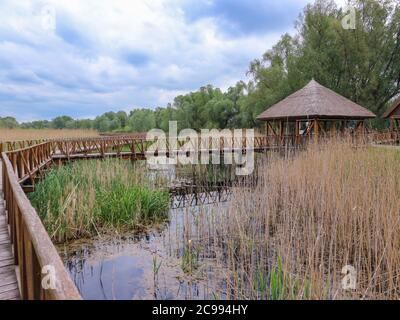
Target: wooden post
342 126
297 132
281 128
362 126
316 129
281 133
332 131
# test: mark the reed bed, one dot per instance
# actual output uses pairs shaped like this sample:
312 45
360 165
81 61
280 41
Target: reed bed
33 134
90 197
310 216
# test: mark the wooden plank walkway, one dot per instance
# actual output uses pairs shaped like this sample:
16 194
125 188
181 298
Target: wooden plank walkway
8 279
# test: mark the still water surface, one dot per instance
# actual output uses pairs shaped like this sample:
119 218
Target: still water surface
149 266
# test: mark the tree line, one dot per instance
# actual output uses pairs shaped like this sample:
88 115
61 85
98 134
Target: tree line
362 64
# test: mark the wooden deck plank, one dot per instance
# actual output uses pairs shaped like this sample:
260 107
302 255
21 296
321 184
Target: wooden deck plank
4 235
5 241
6 269
5 250
7 262
8 278
8 295
6 255
9 287
5 247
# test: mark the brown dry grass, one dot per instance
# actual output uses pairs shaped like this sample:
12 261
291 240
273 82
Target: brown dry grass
310 216
32 134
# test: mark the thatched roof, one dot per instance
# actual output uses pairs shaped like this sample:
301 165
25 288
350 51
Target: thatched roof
315 101
394 110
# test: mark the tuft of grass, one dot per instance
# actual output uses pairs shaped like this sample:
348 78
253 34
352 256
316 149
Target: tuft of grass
284 286
85 198
190 258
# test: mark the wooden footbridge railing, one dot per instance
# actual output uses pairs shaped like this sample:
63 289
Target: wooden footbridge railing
386 137
23 161
40 271
15 145
28 161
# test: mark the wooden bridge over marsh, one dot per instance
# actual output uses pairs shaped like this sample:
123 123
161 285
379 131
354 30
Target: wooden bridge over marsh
27 255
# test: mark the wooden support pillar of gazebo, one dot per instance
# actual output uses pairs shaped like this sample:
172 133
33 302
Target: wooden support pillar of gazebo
297 132
316 128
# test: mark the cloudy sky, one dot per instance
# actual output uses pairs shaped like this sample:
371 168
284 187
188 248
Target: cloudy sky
83 58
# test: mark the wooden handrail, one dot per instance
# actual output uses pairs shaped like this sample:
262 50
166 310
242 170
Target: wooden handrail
27 161
34 253
6 146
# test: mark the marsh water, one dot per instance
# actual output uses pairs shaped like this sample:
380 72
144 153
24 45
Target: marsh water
154 264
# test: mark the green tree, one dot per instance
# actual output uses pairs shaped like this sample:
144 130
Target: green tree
122 118
61 122
141 120
8 122
163 116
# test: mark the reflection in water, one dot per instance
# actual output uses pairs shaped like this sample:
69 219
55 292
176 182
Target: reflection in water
146 267
150 266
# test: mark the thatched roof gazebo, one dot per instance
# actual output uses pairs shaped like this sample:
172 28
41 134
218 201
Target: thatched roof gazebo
314 109
393 113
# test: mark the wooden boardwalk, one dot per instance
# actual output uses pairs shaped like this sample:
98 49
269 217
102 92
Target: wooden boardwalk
8 279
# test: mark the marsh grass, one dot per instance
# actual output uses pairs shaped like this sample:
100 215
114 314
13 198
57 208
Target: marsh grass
91 197
309 216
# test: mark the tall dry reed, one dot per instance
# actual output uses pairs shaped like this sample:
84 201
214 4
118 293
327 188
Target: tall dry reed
310 216
32 134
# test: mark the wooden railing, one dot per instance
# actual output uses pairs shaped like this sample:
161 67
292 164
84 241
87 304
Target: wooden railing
100 146
27 162
386 137
21 144
40 271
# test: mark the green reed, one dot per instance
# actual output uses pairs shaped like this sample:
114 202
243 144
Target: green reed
86 198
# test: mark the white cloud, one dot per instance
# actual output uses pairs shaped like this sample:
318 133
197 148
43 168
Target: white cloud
113 55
